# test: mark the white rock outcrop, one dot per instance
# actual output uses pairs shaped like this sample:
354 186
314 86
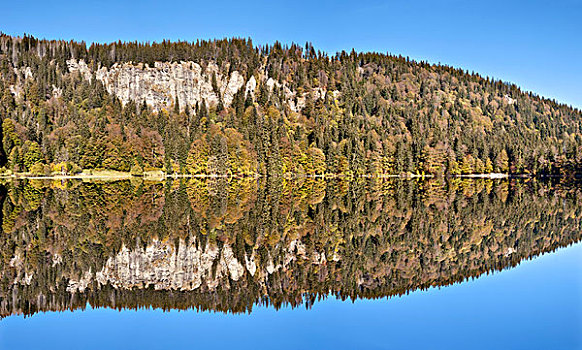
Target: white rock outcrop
251 86
235 82
185 267
188 82
79 66
160 85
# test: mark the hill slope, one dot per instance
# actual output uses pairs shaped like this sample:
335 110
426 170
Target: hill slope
229 107
229 245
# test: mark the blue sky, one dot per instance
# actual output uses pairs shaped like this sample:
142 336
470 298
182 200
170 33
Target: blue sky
535 44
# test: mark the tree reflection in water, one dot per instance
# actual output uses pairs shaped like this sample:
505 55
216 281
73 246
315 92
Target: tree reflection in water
229 244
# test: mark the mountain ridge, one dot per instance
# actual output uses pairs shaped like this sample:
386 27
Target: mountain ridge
227 107
230 245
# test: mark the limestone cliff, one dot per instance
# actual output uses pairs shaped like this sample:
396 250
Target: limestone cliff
185 267
188 82
160 85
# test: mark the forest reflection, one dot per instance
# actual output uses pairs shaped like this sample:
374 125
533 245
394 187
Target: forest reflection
229 244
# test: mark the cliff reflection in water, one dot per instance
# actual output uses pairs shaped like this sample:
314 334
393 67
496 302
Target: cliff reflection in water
228 245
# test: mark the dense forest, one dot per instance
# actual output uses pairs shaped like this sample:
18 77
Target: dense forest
229 245
268 110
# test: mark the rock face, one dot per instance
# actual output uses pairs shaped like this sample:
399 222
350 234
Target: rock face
189 82
164 267
79 67
185 267
159 85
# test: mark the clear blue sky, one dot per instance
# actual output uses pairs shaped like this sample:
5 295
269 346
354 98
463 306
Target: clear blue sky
535 44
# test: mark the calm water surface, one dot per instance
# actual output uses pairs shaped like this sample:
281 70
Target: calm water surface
248 265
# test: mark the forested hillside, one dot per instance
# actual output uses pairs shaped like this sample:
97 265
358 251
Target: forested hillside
229 107
229 245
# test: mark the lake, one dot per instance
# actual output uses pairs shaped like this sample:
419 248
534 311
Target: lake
307 263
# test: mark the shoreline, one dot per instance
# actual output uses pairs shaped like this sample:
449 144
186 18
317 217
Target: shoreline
160 176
